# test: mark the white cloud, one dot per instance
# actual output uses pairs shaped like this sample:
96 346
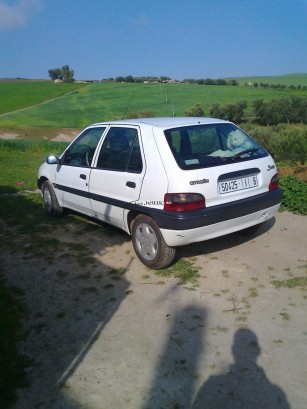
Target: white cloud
14 16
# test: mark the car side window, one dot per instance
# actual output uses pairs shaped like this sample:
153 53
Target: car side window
120 151
135 164
81 152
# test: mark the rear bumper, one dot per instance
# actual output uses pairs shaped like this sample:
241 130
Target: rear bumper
175 238
216 214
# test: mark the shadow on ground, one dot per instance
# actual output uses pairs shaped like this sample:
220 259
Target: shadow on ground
71 296
244 384
222 243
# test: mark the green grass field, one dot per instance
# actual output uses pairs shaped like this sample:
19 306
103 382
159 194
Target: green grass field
289 79
107 101
20 159
21 94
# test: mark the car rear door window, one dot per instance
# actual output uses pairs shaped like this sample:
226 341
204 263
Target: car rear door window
121 151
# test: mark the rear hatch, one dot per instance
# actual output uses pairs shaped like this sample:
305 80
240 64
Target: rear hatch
218 161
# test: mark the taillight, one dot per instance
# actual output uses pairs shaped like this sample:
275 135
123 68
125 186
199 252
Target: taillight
274 182
183 202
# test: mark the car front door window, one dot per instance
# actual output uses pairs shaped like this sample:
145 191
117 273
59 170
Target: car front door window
81 152
73 176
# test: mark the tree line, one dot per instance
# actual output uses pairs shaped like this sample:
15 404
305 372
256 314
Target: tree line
282 110
130 78
210 81
201 81
275 86
67 75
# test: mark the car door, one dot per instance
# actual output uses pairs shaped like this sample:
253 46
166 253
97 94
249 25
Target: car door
116 178
72 176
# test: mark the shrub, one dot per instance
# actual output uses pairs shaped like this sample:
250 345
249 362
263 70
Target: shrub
283 143
147 114
231 112
295 194
132 115
195 111
293 146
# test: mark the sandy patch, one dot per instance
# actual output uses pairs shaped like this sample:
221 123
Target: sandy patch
63 137
51 134
9 136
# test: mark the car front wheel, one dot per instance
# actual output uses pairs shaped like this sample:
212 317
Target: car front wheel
51 203
149 244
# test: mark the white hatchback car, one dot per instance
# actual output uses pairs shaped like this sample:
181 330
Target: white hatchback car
167 182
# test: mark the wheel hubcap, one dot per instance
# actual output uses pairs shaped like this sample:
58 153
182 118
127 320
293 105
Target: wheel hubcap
146 241
47 200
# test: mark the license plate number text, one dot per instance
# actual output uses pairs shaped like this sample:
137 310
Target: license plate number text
234 185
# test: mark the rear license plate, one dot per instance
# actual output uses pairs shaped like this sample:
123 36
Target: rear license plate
233 185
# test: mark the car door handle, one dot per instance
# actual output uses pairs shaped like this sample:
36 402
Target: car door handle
82 176
131 184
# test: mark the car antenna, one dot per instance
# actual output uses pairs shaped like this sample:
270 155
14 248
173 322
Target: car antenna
128 105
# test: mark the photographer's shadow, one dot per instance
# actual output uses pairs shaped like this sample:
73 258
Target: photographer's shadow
244 385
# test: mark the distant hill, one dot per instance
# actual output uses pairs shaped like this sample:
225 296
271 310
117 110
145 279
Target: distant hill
288 79
45 104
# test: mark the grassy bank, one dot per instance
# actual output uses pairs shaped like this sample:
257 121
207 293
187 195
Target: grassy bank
106 101
19 161
21 94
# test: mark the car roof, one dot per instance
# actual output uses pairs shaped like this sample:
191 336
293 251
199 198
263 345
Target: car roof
164 122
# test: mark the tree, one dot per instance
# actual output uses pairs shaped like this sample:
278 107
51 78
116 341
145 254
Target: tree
231 112
196 110
129 78
220 81
216 111
299 109
68 75
285 108
238 111
282 110
258 105
271 114
55 74
63 73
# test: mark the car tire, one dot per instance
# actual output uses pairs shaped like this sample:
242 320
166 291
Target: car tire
149 243
51 203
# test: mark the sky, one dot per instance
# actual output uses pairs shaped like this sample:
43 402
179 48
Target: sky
176 38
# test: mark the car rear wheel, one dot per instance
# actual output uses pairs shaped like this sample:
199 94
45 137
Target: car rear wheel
149 244
51 203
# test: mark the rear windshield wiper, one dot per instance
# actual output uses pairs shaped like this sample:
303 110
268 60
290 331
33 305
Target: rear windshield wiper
239 154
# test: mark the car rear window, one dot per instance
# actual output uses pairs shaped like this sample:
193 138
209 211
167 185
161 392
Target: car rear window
202 146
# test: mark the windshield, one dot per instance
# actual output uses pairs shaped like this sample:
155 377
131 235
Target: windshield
201 146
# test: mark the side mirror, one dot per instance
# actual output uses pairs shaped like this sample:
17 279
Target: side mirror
52 160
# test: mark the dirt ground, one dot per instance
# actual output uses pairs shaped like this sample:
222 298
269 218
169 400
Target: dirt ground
53 134
112 334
